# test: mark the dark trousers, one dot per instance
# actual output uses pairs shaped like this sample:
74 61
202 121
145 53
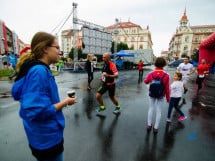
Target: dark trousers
140 73
140 76
199 82
90 77
174 104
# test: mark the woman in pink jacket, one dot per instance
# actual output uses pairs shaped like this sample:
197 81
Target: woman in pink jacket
154 101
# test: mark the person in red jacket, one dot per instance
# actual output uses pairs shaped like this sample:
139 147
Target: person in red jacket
202 70
157 102
140 68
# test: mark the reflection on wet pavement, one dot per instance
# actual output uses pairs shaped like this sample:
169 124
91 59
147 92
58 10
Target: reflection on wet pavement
118 138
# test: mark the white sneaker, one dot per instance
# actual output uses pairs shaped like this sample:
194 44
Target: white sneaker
168 120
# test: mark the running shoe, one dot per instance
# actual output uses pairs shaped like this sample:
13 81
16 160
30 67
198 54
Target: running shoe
149 128
181 118
168 120
155 131
98 110
117 110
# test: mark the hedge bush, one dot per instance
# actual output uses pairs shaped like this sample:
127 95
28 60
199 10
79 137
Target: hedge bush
5 72
8 72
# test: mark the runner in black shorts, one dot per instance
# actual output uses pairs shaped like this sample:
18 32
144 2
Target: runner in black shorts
109 72
110 88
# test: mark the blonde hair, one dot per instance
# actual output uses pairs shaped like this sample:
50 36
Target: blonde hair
22 59
39 42
89 57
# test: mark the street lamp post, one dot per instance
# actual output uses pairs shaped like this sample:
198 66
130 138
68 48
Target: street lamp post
115 33
75 32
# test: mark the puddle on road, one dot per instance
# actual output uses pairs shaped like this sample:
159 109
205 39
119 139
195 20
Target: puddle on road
75 87
203 106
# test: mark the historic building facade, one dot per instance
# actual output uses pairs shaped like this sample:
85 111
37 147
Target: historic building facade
133 35
67 40
188 38
9 41
66 43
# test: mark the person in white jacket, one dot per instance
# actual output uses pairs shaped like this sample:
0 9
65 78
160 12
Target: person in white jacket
176 92
186 69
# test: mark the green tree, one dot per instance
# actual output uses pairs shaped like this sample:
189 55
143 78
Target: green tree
112 46
80 54
99 58
120 46
131 48
195 56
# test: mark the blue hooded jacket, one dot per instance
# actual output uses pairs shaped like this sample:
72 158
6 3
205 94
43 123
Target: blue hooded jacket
37 92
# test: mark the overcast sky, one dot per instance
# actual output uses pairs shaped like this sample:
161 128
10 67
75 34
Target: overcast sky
26 17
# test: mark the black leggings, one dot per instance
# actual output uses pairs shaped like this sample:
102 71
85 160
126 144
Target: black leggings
90 77
199 81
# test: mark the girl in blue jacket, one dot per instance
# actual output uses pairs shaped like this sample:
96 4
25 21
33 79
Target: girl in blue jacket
40 105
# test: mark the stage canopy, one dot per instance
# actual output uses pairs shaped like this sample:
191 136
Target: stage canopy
207 49
122 53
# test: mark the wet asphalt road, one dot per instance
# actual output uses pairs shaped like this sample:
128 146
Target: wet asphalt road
117 138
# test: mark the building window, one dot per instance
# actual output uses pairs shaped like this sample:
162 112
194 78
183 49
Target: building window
196 39
141 38
187 39
185 48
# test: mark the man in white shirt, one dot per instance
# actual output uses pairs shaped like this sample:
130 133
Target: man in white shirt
186 69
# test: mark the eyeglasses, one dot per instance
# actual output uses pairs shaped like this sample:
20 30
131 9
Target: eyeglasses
57 47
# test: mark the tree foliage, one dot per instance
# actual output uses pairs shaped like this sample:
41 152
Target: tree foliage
80 54
195 56
120 46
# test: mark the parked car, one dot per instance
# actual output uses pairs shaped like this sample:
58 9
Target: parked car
175 63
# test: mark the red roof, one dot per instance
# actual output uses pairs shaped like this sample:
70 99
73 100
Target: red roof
202 26
184 17
165 52
123 25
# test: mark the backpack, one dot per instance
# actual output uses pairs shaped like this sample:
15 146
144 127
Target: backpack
156 87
